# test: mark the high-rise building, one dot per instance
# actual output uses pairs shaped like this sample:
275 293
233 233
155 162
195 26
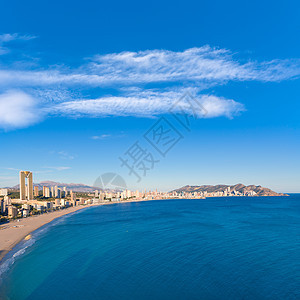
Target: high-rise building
65 191
73 196
26 190
36 191
46 192
52 191
56 191
7 200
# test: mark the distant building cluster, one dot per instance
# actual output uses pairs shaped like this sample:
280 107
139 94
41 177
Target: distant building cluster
53 192
32 200
100 196
203 194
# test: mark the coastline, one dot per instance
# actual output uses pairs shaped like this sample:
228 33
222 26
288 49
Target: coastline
14 232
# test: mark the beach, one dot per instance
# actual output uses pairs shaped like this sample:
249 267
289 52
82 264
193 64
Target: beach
15 231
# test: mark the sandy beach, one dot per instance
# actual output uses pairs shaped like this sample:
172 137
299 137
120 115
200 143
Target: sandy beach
14 232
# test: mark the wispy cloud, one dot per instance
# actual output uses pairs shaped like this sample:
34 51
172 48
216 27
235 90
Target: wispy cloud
65 155
8 37
146 104
63 168
100 137
11 169
192 65
28 95
204 64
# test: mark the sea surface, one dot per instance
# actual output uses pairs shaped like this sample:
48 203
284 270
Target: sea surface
217 248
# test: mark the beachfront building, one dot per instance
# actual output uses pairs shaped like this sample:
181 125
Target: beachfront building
36 191
73 196
26 190
46 192
65 191
12 211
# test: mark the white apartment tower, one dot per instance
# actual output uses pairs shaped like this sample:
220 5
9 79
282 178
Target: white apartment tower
26 190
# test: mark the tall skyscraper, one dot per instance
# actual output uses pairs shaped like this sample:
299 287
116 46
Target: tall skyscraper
26 190
47 192
73 196
44 191
36 191
56 192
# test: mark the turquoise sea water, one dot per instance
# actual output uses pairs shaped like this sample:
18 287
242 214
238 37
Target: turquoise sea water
217 248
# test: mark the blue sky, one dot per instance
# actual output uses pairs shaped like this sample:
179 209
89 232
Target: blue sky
81 82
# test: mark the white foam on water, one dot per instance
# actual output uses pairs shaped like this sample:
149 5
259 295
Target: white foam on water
10 260
20 248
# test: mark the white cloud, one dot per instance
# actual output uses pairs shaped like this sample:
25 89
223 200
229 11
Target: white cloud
59 168
195 65
17 110
100 137
8 37
148 103
65 155
55 90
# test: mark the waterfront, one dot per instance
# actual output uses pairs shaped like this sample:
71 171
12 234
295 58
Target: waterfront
173 249
15 231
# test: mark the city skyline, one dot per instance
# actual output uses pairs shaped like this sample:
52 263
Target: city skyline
75 98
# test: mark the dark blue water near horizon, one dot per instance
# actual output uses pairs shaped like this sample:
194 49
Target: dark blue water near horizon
215 248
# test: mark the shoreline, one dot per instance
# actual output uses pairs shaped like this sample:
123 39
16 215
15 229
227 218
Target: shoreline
14 232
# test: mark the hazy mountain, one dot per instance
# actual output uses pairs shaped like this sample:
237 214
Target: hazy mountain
75 187
261 191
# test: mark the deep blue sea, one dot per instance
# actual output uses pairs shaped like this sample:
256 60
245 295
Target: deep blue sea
217 248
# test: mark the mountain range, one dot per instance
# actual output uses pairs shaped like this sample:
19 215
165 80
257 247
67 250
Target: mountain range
80 187
260 191
75 187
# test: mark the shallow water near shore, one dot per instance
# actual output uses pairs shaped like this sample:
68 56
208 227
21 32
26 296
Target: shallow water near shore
215 248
